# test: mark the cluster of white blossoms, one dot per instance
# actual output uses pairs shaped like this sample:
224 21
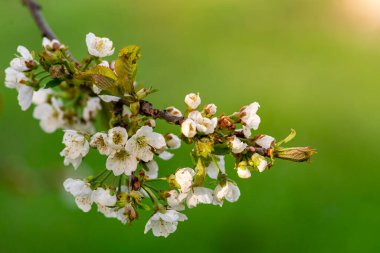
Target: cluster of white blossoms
100 106
196 122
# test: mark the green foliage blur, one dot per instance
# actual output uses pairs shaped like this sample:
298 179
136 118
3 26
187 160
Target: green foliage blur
302 62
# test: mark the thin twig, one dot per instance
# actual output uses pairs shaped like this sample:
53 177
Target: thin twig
35 10
146 108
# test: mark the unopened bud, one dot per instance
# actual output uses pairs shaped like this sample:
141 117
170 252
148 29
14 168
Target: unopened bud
173 141
243 170
151 123
31 64
226 122
131 212
210 110
297 154
174 111
56 71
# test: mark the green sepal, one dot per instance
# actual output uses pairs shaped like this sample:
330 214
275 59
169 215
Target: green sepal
288 138
52 83
200 173
204 147
221 149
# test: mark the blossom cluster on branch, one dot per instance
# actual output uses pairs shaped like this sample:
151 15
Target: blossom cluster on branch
101 107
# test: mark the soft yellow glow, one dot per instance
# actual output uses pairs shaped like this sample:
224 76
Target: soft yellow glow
364 12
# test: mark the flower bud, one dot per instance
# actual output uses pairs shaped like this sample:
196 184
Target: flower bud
174 111
258 162
210 110
243 170
173 141
297 154
189 128
57 71
192 100
151 123
226 122
237 146
131 212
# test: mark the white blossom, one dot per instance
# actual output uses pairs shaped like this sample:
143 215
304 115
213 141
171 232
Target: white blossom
229 191
192 100
14 78
144 142
207 126
76 148
151 170
249 116
97 90
103 197
184 178
265 141
262 166
243 170
50 115
174 111
210 109
195 116
25 96
104 64
21 63
166 155
237 145
106 202
91 108
41 96
81 191
100 141
99 47
259 162
108 98
189 128
175 200
199 195
110 212
212 169
246 131
164 223
173 141
117 137
120 161
203 125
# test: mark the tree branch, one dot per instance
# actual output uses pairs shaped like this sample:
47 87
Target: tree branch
147 109
35 10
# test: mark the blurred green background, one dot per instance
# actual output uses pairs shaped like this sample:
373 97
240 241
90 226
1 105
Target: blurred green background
312 65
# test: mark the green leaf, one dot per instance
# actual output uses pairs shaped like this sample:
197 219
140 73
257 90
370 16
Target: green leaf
103 77
104 82
102 70
126 67
53 83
